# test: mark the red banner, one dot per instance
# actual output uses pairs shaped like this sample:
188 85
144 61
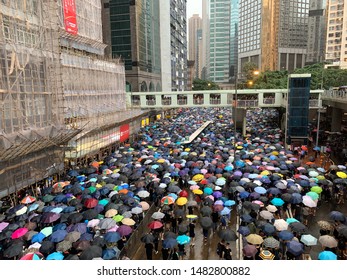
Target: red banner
70 20
124 132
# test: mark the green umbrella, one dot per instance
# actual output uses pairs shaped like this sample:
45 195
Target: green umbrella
47 198
316 189
47 231
104 201
313 195
92 189
118 218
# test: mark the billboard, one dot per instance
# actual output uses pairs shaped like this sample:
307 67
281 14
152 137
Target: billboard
70 19
124 132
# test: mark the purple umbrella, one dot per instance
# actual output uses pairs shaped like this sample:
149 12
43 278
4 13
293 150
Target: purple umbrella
217 194
49 217
124 230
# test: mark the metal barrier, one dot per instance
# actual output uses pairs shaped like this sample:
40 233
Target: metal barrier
131 246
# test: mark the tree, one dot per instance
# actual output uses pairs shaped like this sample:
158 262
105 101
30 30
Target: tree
199 84
248 70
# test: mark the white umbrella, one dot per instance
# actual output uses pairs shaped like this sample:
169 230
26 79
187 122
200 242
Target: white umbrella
328 241
266 214
308 239
280 224
308 201
271 208
143 194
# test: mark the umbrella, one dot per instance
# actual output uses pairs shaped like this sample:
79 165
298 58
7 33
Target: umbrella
107 223
271 242
327 255
91 252
47 247
128 222
325 225
244 230
49 217
249 250
112 236
19 233
183 239
167 200
64 246
295 247
124 230
328 241
228 235
181 201
337 216
32 256
277 201
148 238
58 235
28 199
298 227
308 201
205 211
308 239
169 243
206 222
72 236
254 239
158 215
155 225
266 255
271 208
285 235
267 215
268 229
13 250
110 253
55 256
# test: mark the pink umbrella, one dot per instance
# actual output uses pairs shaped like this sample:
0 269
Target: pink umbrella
19 233
144 205
308 201
32 256
113 229
194 187
3 225
93 223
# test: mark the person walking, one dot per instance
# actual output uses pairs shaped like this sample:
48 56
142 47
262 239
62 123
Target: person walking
149 250
221 248
192 232
227 252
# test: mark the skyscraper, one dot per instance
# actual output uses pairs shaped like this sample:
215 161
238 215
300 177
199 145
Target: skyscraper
135 37
336 44
316 31
272 33
194 25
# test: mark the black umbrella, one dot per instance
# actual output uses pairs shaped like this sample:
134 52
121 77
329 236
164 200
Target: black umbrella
91 252
14 250
75 218
228 235
182 228
287 197
179 212
170 234
49 217
298 227
206 222
147 238
206 211
89 214
71 257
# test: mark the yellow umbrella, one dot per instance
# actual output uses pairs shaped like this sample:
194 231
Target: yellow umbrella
187 149
98 186
275 153
254 239
198 177
128 222
342 175
191 216
198 191
265 172
110 213
181 201
239 147
161 160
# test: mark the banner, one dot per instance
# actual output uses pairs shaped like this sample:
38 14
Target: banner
70 21
124 132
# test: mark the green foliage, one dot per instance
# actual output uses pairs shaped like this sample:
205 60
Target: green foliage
248 70
199 84
327 78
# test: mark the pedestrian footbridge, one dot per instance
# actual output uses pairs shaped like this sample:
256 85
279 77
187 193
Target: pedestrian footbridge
245 98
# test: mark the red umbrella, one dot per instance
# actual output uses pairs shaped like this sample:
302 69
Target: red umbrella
28 199
183 193
155 225
91 202
19 233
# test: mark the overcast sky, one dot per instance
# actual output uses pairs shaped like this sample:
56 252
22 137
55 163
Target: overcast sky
193 7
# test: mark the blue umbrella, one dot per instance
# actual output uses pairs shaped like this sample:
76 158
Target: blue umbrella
244 194
110 253
260 190
38 237
244 230
68 209
58 235
208 191
229 203
291 220
59 226
295 247
269 229
327 255
57 256
274 191
112 236
285 235
183 239
277 201
169 243
296 198
337 216
225 211
246 218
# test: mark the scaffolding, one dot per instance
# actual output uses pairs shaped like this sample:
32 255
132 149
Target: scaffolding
55 87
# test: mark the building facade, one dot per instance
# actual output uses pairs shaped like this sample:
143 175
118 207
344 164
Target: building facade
316 32
134 34
271 34
336 41
178 44
195 36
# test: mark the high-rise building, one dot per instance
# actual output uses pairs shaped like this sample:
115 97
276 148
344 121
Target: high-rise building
316 32
219 43
134 33
205 57
178 44
336 44
272 34
194 33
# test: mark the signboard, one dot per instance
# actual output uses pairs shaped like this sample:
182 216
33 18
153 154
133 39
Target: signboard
124 132
70 20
